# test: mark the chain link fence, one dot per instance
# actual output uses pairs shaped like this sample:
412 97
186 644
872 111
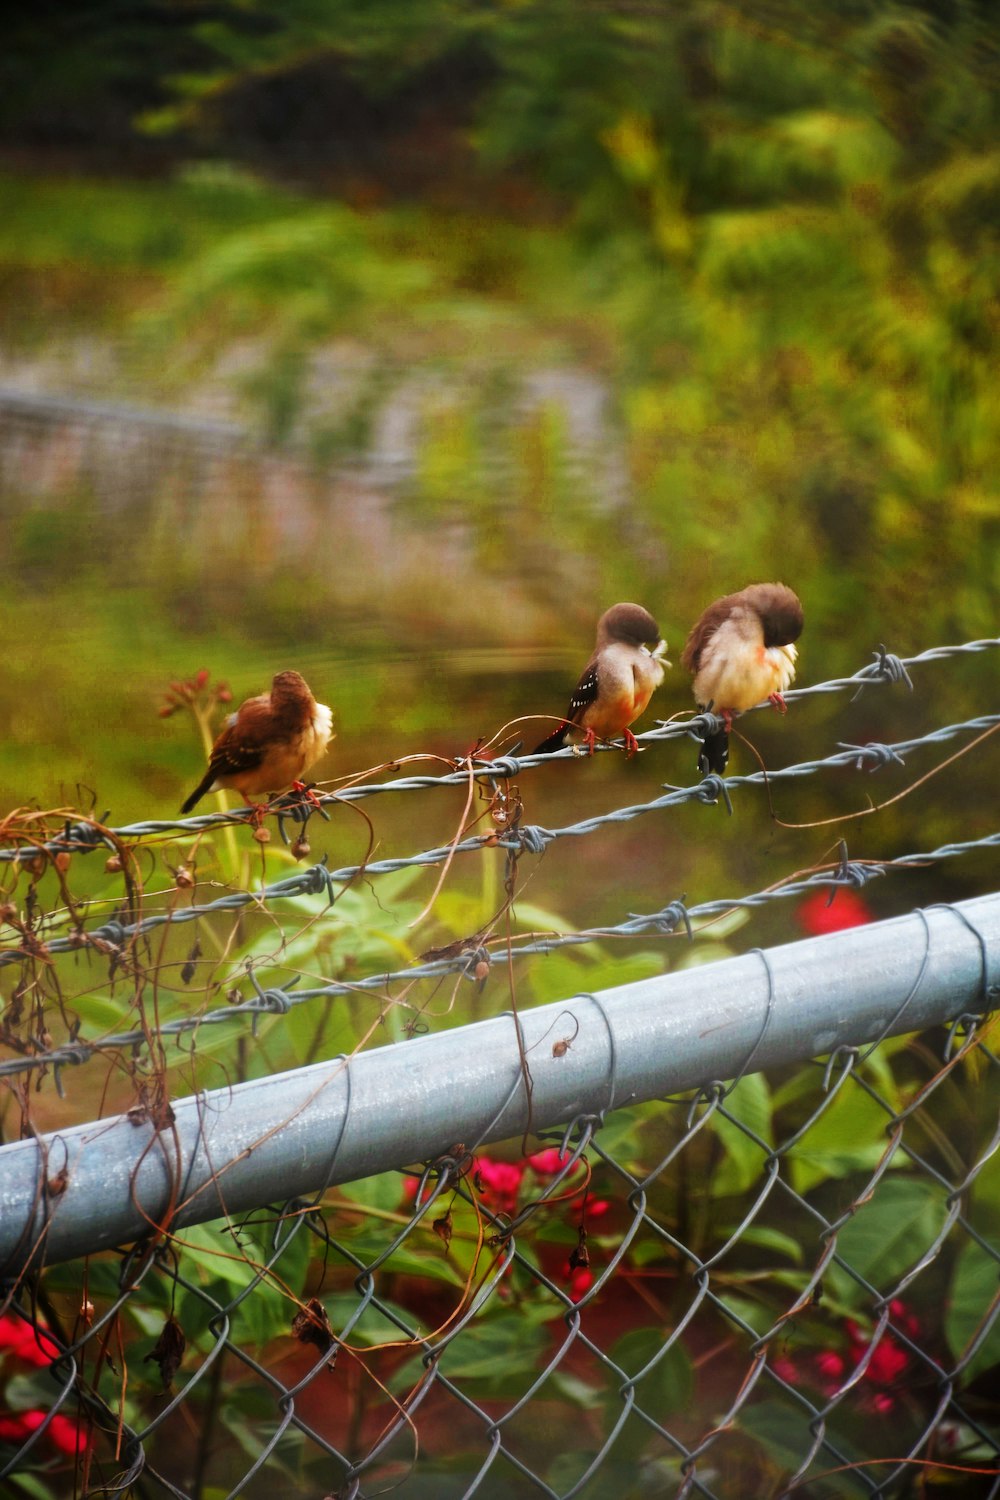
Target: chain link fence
636 1242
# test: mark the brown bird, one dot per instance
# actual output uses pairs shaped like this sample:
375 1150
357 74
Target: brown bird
268 742
740 652
617 682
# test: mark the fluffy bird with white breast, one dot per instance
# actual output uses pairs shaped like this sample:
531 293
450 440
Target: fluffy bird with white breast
268 743
618 681
741 653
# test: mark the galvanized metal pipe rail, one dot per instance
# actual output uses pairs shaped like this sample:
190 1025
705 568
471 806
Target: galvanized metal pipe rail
234 1149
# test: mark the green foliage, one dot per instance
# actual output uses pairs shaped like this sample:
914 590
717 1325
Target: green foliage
769 231
971 1300
888 1235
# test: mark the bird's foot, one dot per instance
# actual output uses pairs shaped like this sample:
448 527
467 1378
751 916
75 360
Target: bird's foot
726 715
778 702
258 812
631 743
307 793
589 739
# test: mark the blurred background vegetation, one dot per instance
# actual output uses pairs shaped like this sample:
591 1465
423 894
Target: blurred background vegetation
393 341
522 308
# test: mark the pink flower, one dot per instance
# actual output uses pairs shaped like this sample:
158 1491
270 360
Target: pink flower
831 1364
786 1369
907 1321
817 917
597 1207
501 1183
888 1361
547 1163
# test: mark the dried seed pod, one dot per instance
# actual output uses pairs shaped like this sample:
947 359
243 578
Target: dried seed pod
262 836
113 864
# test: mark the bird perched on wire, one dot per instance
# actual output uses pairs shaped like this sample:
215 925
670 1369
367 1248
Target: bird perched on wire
740 652
617 682
268 742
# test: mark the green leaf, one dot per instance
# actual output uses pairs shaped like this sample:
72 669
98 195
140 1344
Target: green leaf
749 1102
849 1136
619 1137
384 1192
216 1255
764 1236
33 1486
669 1385
494 1355
782 1430
973 1291
888 1234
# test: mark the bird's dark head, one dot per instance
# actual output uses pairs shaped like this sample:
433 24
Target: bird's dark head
629 623
780 612
289 686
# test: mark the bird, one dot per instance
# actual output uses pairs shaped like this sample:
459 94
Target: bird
740 652
617 682
268 742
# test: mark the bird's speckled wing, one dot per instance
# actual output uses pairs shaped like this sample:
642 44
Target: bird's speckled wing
584 694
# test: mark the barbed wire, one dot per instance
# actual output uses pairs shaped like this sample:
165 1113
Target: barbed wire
675 916
83 836
795 1343
318 878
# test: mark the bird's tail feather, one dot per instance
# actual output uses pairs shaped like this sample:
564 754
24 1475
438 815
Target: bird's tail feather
199 792
714 754
554 741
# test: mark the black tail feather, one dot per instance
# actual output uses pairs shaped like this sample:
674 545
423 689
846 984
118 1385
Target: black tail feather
714 754
555 741
199 792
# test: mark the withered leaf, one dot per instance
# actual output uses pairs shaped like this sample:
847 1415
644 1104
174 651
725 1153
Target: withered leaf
443 1228
188 971
579 1256
311 1325
58 1183
168 1351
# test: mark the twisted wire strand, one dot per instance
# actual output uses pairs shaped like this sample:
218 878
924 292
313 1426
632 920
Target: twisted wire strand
275 1000
885 669
318 878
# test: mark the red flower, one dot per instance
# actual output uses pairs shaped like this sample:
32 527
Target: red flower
907 1321
786 1369
410 1185
501 1182
13 1429
597 1207
22 1340
547 1163
888 1358
580 1283
67 1435
63 1432
888 1361
818 915
830 1364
